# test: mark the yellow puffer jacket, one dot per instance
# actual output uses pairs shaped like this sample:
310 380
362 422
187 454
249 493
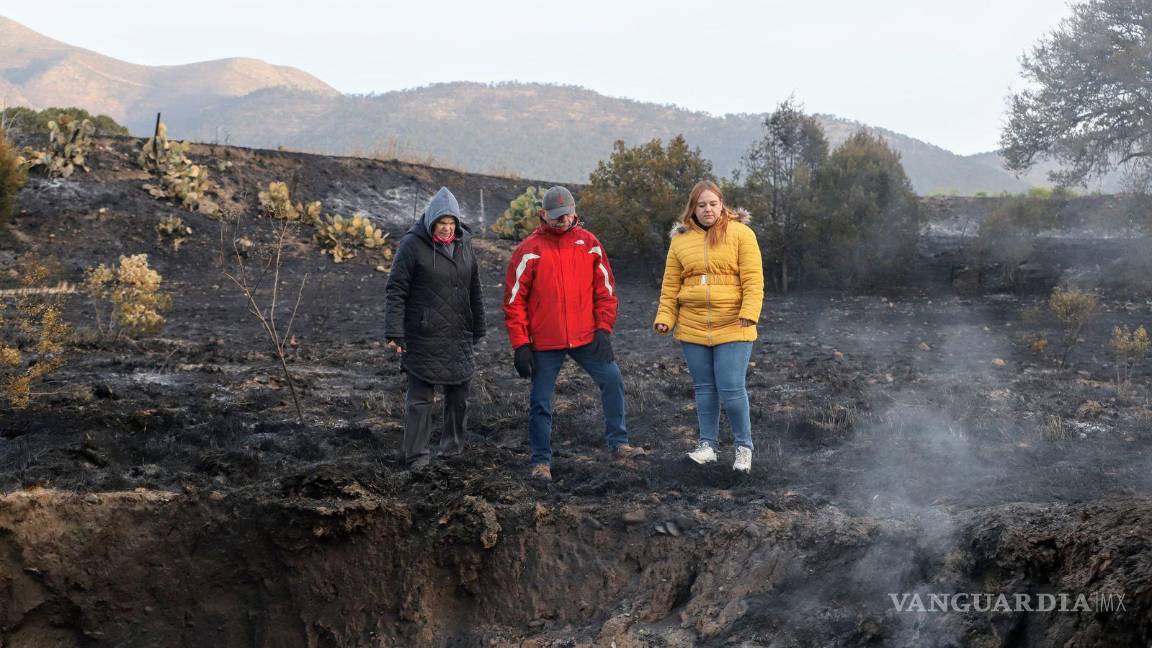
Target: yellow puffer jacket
707 291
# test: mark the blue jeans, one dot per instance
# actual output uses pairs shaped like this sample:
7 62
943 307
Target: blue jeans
608 379
718 375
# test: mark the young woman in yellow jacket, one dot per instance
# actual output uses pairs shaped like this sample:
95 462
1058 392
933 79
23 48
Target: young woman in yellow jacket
711 297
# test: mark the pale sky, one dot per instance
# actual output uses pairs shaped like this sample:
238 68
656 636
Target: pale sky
938 71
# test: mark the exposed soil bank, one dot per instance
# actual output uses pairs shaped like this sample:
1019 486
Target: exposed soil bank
150 568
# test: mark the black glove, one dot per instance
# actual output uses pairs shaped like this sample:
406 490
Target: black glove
601 347
524 361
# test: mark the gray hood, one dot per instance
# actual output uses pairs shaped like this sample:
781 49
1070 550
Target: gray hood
441 204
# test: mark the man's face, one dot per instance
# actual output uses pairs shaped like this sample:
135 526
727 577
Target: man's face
560 224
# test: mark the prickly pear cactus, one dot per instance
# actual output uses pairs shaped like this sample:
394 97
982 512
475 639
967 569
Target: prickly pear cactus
339 236
69 142
179 178
520 218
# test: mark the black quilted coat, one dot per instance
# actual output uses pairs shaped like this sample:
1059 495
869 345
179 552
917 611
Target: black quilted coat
434 304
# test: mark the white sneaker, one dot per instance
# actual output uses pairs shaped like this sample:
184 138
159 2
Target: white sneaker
743 461
703 454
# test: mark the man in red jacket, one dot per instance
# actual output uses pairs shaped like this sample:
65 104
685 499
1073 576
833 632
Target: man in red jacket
560 301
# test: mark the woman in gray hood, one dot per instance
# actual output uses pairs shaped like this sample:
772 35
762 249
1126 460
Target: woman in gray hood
433 317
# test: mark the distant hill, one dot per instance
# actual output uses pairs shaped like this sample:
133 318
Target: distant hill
38 71
538 130
1037 176
533 130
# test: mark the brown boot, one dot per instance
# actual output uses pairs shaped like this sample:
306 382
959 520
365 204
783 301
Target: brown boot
625 451
543 472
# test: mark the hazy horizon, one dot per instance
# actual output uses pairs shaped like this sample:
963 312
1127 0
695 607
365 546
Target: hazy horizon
939 74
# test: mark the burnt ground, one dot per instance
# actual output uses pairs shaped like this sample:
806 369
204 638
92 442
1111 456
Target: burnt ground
160 491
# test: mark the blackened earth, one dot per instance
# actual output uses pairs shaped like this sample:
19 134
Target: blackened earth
160 491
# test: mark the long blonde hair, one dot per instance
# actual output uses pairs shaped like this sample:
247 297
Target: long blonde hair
718 229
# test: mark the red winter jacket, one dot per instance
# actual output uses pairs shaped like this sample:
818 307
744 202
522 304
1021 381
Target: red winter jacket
558 290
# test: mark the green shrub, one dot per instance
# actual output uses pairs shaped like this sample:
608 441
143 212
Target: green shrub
870 219
27 121
12 177
633 199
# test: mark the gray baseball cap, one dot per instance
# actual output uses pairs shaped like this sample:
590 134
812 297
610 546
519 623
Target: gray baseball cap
558 202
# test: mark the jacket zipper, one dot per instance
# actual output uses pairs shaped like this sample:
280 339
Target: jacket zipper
707 289
563 297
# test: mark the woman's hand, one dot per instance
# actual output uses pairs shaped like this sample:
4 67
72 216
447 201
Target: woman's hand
396 344
746 322
662 329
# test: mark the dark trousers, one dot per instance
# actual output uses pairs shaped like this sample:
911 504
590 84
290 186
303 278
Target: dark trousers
418 404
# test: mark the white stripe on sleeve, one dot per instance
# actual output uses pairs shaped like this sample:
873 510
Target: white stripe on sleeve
528 256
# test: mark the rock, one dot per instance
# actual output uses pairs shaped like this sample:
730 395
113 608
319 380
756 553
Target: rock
635 516
102 390
999 362
615 632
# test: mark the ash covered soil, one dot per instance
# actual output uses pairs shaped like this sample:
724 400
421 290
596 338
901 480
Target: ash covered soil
160 491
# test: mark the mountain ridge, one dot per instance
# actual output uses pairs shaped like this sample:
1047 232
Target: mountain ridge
507 127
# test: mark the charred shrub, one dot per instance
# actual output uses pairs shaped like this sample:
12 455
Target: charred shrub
173 230
1129 347
1006 241
1072 308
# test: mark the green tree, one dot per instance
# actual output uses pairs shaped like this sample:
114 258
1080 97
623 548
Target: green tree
12 177
633 199
1090 108
521 217
27 121
870 219
777 172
